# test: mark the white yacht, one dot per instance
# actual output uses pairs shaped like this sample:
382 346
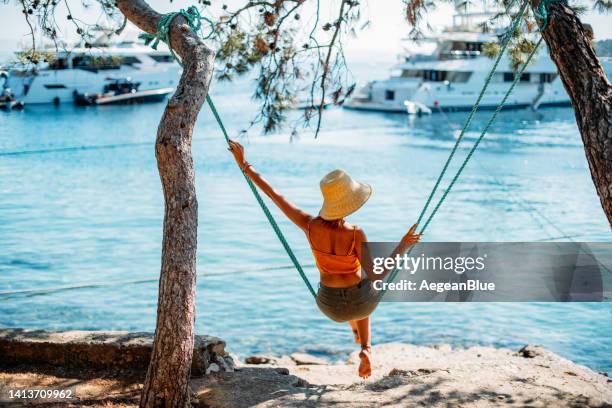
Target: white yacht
91 71
448 70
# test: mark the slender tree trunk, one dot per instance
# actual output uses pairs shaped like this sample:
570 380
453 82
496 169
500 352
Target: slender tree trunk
167 380
586 83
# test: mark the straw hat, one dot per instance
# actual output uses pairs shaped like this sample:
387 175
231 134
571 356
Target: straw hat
342 195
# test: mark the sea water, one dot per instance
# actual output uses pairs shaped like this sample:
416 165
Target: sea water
81 213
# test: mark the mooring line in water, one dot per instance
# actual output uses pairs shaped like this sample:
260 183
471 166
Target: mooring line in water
530 209
521 202
69 149
45 291
569 237
74 149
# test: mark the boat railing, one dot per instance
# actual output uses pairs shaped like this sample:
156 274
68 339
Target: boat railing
420 58
453 55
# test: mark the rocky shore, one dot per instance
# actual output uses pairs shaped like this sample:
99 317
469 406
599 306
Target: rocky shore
106 369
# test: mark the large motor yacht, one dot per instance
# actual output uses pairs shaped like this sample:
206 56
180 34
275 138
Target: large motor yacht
90 70
447 71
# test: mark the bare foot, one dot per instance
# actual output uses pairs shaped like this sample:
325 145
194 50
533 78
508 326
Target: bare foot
365 367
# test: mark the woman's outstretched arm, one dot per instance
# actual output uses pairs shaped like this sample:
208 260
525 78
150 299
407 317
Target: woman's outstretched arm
363 252
297 216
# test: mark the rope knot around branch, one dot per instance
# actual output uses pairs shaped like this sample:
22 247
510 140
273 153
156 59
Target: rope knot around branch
541 12
194 20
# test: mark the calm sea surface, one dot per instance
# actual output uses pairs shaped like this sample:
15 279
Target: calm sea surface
81 218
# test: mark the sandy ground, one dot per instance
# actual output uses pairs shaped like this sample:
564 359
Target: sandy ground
404 375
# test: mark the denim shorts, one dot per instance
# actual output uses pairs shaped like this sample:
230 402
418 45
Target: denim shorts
352 303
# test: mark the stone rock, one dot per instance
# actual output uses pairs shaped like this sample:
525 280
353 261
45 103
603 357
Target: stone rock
301 383
530 351
260 359
307 359
212 368
442 347
225 363
96 349
386 383
230 363
410 373
397 371
282 370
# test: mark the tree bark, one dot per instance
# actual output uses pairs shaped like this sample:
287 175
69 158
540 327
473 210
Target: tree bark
167 380
585 80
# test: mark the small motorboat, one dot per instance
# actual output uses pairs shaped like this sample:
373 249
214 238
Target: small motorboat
7 99
122 92
8 103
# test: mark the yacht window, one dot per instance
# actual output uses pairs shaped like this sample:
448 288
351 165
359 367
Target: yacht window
389 95
429 75
477 46
161 58
55 86
95 63
458 76
509 77
130 60
461 50
435 76
60 63
547 77
412 73
466 46
451 76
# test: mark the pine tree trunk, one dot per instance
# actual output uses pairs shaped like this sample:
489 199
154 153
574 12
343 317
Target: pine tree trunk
167 380
571 49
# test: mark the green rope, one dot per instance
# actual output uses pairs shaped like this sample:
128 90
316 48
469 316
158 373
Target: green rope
264 207
468 121
193 17
501 105
541 12
517 76
194 20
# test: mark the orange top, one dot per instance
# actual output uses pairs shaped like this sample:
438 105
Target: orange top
333 264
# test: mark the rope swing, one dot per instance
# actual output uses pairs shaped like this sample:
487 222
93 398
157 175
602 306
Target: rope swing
193 17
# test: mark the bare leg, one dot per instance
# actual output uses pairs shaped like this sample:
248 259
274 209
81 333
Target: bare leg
365 356
353 324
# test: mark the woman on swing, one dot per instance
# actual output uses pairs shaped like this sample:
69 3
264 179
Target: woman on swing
344 295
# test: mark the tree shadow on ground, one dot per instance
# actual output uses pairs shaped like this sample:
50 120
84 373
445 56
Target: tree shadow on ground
274 386
432 388
88 387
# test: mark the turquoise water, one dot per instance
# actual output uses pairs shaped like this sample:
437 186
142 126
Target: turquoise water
80 228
